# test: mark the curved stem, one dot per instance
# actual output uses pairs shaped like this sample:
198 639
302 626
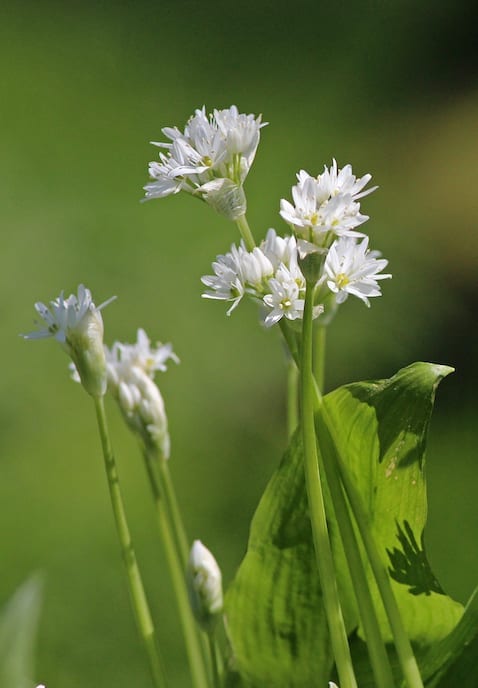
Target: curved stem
375 644
136 588
319 355
292 396
191 639
174 511
246 233
323 551
402 643
216 681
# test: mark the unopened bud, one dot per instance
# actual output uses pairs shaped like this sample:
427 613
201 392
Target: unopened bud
204 586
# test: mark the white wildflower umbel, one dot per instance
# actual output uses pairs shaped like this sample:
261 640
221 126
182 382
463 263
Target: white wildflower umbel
76 323
325 207
131 369
269 274
204 582
350 268
210 159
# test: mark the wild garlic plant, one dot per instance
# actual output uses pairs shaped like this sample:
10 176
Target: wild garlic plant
335 584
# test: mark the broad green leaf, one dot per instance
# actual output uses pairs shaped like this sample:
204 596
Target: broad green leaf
18 625
382 433
274 610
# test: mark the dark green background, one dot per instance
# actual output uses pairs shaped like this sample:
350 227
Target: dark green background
390 87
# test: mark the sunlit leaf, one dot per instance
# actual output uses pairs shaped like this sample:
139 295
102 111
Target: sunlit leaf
275 615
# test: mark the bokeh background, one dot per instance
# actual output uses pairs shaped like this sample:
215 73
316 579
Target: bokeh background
389 86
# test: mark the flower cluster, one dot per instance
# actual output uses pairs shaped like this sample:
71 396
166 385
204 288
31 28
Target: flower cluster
131 369
210 159
325 207
271 274
76 323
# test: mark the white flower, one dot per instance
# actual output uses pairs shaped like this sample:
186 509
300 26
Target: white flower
211 159
332 685
324 205
350 268
204 586
286 296
237 273
76 323
121 357
131 369
270 273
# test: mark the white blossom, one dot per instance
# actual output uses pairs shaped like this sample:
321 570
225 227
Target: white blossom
131 369
204 586
325 206
76 323
210 159
350 268
286 297
270 274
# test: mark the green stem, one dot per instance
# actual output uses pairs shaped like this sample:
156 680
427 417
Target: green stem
402 643
246 233
375 645
292 396
191 639
136 589
216 681
325 562
174 511
319 355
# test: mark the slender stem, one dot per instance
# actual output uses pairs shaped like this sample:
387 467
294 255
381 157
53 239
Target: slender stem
136 589
245 231
403 647
402 643
325 562
193 648
292 396
319 355
375 644
174 511
216 681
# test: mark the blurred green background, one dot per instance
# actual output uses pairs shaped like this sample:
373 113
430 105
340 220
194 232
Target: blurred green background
390 87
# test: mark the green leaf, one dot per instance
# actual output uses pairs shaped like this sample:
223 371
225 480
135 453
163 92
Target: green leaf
274 610
383 428
18 626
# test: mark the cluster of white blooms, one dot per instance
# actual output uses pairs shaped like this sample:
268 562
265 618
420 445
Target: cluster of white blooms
325 207
131 369
210 159
204 586
77 324
271 274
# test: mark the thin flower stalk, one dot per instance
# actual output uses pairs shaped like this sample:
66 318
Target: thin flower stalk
245 231
138 595
323 550
406 657
375 644
191 638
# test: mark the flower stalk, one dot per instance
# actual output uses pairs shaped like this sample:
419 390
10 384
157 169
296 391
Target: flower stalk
191 639
323 550
136 588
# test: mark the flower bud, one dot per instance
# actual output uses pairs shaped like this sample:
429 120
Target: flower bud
226 197
204 586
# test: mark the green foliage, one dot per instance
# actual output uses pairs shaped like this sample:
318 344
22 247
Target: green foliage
275 616
18 626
